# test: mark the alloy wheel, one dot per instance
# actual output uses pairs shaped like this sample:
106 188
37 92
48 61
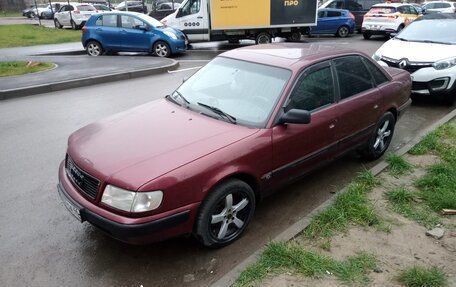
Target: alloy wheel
93 49
228 221
383 133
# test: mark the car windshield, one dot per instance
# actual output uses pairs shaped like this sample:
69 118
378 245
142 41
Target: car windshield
150 20
430 31
86 8
245 91
382 10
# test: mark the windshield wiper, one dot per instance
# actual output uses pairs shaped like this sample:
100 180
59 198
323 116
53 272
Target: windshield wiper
182 98
219 112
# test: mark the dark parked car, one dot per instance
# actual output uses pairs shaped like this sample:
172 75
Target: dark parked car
252 119
29 12
130 32
132 6
356 7
334 21
162 10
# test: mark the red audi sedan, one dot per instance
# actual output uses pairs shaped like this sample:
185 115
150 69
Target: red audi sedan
253 119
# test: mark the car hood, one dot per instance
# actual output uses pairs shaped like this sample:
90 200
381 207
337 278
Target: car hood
136 146
416 51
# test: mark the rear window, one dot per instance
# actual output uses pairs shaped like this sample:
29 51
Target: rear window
382 10
86 8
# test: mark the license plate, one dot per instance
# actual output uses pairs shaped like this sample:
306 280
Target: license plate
375 27
74 210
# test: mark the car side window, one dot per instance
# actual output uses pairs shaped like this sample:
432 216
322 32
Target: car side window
353 6
379 76
413 10
191 7
402 10
108 20
321 14
353 76
333 14
313 90
130 22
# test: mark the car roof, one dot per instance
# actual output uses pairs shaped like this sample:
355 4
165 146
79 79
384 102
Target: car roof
288 55
333 9
395 5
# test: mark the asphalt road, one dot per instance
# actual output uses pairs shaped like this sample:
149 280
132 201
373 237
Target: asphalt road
41 244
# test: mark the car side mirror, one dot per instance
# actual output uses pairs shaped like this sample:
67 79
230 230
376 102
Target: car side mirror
142 28
392 35
295 116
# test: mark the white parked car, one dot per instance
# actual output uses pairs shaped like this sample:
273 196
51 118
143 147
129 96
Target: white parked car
74 15
427 49
439 6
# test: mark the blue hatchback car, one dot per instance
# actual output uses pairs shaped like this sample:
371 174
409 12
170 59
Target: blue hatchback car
130 32
338 22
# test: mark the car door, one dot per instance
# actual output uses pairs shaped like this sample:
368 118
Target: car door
333 21
63 16
297 148
321 22
107 31
359 101
132 38
194 20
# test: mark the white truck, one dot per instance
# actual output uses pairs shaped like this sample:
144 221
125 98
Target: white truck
232 20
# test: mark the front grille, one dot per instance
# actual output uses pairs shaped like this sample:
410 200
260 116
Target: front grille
410 67
85 182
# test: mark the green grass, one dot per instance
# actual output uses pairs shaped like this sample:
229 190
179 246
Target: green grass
423 277
10 14
279 257
350 207
398 165
405 203
21 68
438 186
438 142
30 35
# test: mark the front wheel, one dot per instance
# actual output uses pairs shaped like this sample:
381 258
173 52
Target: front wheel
381 138
94 49
73 25
161 49
57 24
342 32
225 213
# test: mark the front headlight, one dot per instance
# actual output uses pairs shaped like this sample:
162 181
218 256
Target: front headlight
377 56
171 35
445 64
131 201
164 21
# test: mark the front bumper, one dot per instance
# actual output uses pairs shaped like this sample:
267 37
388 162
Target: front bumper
142 230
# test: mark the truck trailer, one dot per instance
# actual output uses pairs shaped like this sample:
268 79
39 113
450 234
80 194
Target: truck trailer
233 20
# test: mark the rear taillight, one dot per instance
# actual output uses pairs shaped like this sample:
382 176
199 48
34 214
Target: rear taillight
351 15
84 30
77 12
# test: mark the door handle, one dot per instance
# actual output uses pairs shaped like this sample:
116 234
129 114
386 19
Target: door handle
331 126
199 17
375 107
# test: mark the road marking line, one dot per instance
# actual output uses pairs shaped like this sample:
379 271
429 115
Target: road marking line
189 61
183 70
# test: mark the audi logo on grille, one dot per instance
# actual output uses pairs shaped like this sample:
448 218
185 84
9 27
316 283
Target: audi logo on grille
75 174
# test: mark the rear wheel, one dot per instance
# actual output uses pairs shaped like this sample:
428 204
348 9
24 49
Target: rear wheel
342 32
161 49
295 36
263 38
94 49
225 213
381 138
366 35
73 25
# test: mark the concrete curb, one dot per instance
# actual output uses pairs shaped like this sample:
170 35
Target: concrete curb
229 278
63 85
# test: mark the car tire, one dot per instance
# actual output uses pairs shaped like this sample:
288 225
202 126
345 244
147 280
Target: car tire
161 49
342 32
381 138
263 38
32 15
94 49
295 37
73 25
42 16
225 213
366 35
57 24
